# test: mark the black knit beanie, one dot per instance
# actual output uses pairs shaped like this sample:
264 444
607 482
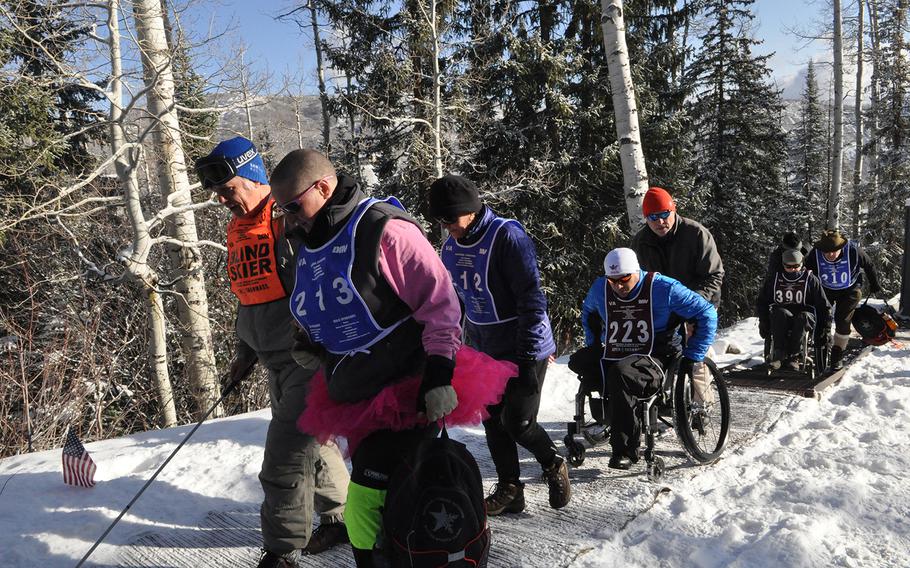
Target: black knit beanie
452 196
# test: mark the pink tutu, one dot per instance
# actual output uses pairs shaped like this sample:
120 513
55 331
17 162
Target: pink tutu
479 381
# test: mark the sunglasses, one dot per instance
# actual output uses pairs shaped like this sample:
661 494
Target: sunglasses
655 216
793 266
293 207
446 220
620 279
214 171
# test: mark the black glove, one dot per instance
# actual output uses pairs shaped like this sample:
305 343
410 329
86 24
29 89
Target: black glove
686 365
241 365
437 372
874 290
527 376
763 328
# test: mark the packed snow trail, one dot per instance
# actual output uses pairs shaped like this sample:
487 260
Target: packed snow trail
792 476
828 486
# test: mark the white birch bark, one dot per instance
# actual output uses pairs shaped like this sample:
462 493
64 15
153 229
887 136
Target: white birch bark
137 262
631 154
858 122
192 301
320 76
437 94
832 220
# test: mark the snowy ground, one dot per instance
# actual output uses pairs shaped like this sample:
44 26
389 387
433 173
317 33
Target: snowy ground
808 484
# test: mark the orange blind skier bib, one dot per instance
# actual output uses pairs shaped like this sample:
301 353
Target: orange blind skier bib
252 267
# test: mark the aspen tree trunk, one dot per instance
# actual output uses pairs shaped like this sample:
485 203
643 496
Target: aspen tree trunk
832 220
320 75
631 154
437 95
192 302
299 123
137 264
246 97
858 123
874 84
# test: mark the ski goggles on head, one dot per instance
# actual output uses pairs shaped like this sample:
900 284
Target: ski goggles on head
658 216
215 170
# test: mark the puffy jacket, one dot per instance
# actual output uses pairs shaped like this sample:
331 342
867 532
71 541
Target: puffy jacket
514 282
687 253
670 301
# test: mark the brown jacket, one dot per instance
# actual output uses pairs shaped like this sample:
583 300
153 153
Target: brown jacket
688 253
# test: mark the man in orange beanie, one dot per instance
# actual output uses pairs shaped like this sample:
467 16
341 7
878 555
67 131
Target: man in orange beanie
683 249
678 247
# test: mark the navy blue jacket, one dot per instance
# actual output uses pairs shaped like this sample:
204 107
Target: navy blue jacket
669 297
514 282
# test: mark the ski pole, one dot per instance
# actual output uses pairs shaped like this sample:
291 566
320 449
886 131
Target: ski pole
226 392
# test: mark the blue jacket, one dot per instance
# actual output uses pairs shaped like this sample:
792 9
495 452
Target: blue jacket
514 282
669 296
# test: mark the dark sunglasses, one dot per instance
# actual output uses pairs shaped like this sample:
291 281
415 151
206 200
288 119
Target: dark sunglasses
662 215
446 220
214 171
620 279
793 266
293 207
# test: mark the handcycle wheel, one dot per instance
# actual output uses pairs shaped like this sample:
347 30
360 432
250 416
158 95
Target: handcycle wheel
702 426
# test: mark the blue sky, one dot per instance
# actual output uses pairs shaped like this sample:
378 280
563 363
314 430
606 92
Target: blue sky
282 49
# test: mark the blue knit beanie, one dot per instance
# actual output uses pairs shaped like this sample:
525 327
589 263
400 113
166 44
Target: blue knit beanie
246 159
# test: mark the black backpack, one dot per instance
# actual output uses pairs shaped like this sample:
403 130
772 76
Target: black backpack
876 327
434 512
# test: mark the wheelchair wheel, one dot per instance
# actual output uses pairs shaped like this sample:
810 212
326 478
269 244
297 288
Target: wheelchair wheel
702 425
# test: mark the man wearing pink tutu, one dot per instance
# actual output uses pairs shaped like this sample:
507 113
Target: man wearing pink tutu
493 264
379 314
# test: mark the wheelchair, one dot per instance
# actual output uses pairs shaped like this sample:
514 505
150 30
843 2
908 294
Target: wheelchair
702 424
812 358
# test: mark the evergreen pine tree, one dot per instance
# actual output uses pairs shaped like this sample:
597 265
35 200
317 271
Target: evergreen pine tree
806 197
739 150
884 230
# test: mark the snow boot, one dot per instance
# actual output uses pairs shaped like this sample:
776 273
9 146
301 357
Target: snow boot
619 461
325 537
557 476
273 560
505 498
836 358
793 363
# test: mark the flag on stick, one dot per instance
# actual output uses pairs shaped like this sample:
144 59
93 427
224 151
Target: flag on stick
78 467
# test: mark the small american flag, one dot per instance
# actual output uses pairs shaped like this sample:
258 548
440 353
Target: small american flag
78 467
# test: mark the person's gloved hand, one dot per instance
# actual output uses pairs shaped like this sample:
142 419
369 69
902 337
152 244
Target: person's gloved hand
874 290
440 402
307 354
241 365
436 397
527 376
687 366
763 328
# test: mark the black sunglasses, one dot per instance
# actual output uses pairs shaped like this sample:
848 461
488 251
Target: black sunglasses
446 220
